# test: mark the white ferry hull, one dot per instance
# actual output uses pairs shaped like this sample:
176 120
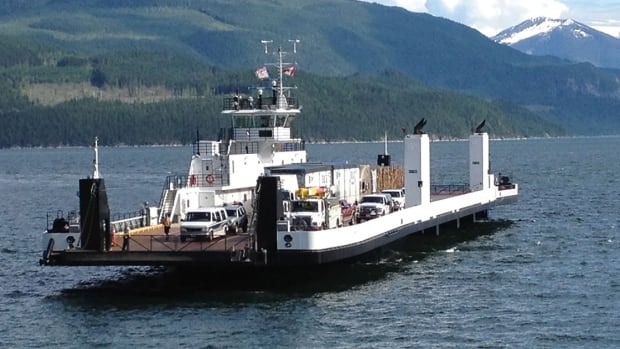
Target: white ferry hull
346 243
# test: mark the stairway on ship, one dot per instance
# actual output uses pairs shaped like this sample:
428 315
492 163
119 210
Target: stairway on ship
167 205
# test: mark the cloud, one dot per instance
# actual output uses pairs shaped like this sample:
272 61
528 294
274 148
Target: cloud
487 16
603 16
410 5
492 16
611 29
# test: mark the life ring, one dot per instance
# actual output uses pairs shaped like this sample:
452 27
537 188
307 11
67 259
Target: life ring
210 179
192 180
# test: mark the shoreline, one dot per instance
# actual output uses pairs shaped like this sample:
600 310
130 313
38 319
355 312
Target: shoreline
432 140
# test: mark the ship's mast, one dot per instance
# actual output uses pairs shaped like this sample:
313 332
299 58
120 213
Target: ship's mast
385 151
281 98
279 84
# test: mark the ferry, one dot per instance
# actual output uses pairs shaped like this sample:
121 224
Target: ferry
258 163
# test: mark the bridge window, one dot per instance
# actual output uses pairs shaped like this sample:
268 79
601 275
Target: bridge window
264 121
265 133
244 121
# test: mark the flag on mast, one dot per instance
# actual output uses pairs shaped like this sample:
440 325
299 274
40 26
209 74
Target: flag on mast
290 71
262 73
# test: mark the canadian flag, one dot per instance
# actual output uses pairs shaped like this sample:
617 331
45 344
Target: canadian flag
290 71
262 73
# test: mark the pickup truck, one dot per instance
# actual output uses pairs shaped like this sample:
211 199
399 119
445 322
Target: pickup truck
204 223
398 197
372 206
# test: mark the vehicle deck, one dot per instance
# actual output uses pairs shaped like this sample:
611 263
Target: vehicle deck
154 239
148 246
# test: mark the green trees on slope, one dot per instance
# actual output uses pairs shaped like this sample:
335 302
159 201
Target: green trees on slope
360 107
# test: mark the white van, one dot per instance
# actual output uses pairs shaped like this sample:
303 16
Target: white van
204 223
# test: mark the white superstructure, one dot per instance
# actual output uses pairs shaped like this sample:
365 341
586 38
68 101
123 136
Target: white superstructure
225 171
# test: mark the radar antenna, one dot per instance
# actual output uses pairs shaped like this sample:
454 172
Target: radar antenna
265 42
295 42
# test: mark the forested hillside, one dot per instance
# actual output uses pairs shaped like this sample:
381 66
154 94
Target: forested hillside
109 98
112 65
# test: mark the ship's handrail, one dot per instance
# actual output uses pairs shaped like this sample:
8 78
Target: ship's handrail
506 186
171 183
449 189
253 147
206 148
132 220
56 221
72 217
127 215
174 182
157 242
262 103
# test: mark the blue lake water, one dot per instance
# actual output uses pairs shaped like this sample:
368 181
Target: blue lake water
546 275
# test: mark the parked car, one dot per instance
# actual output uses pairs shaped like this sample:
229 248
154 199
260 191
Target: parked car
204 223
237 218
348 212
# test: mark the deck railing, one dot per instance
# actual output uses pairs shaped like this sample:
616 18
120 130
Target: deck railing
131 220
449 189
264 103
118 221
157 242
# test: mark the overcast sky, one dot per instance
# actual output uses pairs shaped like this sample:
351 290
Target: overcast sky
492 16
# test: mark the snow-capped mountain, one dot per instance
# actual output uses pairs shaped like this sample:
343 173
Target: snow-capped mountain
564 38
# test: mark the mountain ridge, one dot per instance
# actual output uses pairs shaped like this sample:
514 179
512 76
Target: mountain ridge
339 38
564 38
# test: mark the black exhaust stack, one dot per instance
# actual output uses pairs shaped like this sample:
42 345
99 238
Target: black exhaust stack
267 215
94 215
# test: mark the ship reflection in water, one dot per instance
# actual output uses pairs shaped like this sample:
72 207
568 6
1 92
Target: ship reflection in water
156 285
